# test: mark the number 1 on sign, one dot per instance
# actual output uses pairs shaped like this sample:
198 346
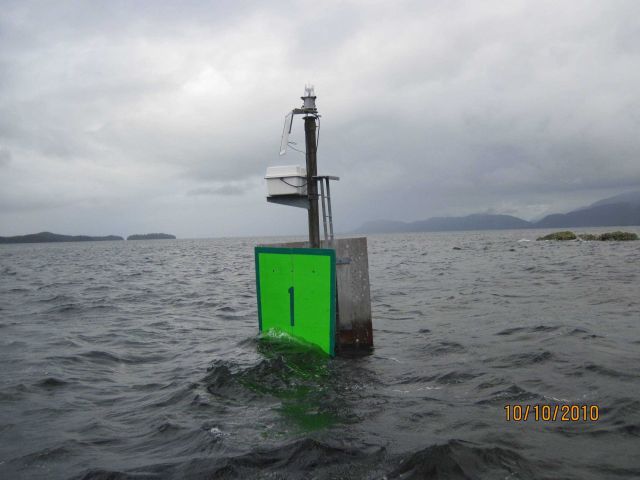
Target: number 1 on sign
291 315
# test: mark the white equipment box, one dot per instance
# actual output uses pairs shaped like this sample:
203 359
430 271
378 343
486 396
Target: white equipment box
286 180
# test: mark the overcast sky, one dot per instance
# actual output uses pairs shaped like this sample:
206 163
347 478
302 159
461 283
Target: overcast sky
118 117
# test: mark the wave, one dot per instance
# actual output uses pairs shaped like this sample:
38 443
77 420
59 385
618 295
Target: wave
310 458
522 359
461 460
536 329
51 383
103 357
511 394
296 460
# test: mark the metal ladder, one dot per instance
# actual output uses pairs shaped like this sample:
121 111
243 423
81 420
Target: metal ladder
325 197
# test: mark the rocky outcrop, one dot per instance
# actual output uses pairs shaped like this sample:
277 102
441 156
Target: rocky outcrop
560 236
617 236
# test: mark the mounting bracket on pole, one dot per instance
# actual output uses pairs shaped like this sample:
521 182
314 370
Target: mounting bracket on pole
308 109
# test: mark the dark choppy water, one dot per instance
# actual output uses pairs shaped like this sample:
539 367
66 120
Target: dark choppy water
140 360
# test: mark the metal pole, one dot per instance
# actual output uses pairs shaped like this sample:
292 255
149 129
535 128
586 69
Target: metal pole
312 184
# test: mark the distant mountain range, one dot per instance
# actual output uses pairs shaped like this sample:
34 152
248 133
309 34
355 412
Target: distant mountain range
621 210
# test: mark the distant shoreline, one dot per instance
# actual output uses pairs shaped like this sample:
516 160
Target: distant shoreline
48 237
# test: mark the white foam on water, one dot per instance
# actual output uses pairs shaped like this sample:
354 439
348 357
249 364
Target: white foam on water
216 432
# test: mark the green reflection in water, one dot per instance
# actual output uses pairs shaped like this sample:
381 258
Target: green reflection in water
300 375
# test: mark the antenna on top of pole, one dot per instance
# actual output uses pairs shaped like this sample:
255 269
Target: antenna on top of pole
309 99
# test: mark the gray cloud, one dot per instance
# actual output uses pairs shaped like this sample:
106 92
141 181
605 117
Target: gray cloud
223 190
5 157
429 108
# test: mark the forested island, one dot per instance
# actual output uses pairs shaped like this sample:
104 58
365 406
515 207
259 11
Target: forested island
48 237
45 237
151 236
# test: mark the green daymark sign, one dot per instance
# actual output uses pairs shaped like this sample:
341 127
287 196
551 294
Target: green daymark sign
296 289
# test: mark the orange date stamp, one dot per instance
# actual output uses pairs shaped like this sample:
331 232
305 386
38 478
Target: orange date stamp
551 413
